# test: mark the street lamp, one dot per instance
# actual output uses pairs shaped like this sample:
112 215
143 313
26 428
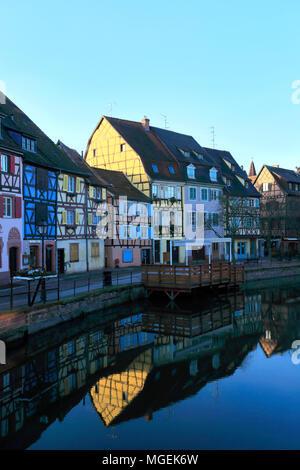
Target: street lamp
43 229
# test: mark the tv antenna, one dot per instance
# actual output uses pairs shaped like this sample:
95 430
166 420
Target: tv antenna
111 107
212 131
165 119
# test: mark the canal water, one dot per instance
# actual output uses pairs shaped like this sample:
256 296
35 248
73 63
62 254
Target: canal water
213 372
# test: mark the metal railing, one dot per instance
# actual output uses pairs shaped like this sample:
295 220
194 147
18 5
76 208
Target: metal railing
28 292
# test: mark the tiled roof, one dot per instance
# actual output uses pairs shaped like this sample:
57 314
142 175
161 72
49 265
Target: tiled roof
236 188
146 144
47 153
81 164
119 185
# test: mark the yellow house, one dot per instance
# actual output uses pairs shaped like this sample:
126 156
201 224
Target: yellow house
134 149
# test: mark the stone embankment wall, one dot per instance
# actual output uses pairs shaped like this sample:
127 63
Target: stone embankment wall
271 271
15 325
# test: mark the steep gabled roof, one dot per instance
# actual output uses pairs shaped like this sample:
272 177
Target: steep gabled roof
81 164
148 146
47 153
119 185
236 188
282 177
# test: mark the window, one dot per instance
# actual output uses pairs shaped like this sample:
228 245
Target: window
123 147
154 167
7 207
94 152
266 186
97 193
74 252
171 191
71 184
28 144
191 171
70 218
215 219
213 174
171 170
71 348
192 193
127 256
204 194
213 194
154 190
193 218
96 219
95 250
198 155
4 163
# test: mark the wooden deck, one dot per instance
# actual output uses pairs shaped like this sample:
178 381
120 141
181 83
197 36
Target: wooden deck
175 279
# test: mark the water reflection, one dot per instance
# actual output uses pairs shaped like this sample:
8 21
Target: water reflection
134 365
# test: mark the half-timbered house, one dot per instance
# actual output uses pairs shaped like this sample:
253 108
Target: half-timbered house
241 207
129 235
134 148
42 161
81 201
11 166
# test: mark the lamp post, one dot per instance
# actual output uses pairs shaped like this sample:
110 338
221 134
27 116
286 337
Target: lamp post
43 228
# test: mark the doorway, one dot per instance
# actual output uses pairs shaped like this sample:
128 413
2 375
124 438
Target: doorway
13 264
49 251
145 256
61 260
175 254
33 256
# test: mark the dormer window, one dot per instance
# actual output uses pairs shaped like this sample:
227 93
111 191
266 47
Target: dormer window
198 155
213 174
186 153
28 144
191 172
154 168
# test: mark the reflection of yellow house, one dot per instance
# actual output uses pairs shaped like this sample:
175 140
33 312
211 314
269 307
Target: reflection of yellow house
112 394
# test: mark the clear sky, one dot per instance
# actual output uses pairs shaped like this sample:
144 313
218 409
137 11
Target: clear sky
227 63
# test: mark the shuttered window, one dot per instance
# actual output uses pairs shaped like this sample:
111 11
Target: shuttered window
42 179
95 250
41 213
74 252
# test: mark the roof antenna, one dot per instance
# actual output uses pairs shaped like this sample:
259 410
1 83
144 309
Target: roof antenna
165 119
212 136
111 107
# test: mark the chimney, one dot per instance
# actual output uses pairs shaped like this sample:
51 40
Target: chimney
145 121
275 166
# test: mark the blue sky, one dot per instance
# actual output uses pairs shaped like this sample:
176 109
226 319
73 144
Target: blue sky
228 64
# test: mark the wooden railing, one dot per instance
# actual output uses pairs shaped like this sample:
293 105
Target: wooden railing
189 277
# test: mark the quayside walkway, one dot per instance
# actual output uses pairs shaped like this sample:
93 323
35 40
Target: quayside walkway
176 279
